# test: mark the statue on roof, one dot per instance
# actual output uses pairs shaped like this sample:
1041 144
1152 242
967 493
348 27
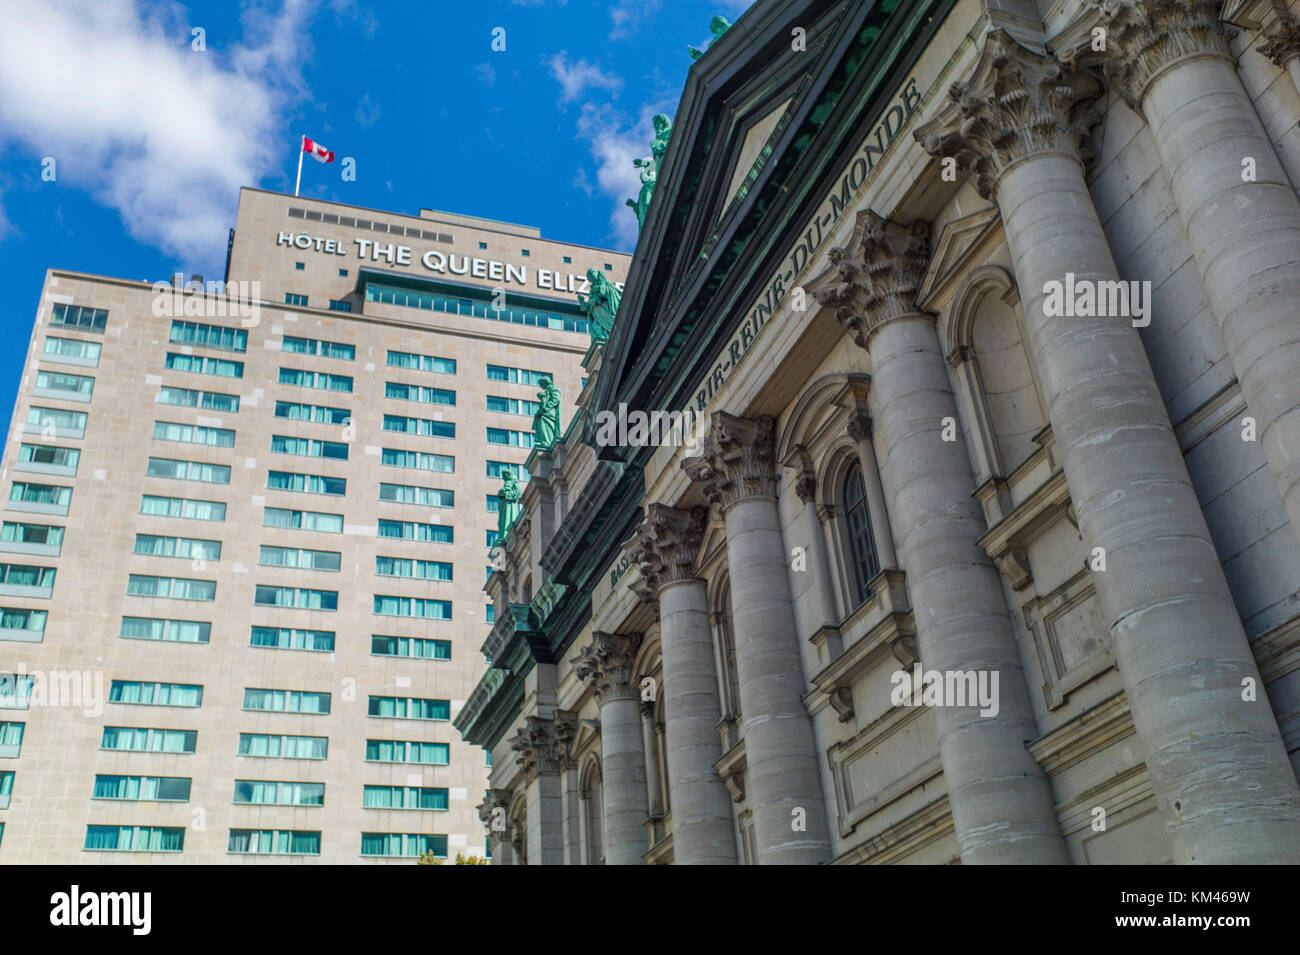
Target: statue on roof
508 506
650 168
717 26
546 422
600 304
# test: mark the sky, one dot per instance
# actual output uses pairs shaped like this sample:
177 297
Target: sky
127 127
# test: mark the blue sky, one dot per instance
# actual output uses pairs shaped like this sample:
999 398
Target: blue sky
151 138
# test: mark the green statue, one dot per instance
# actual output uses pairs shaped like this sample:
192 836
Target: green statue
546 422
717 26
507 504
650 168
601 305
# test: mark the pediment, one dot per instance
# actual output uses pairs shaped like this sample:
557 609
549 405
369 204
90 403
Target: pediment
953 249
755 148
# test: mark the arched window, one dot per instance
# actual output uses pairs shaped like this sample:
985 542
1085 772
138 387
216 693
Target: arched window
863 562
593 814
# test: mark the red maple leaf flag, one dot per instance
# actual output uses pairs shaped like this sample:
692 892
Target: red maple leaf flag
318 152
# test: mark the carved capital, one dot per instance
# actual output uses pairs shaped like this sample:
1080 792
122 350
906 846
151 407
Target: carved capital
666 543
1282 43
492 810
875 277
606 665
538 748
736 460
1144 36
1017 103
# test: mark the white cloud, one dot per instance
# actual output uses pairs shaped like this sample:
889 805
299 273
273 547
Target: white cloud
577 78
161 133
615 140
627 16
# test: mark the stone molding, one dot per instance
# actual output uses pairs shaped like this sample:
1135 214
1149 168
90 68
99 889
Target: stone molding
1145 36
737 459
605 665
1016 104
1282 43
665 545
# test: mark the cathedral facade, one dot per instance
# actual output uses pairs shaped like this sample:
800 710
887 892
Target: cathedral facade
976 536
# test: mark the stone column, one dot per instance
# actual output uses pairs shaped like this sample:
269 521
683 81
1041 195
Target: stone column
1172 64
1216 762
606 665
665 547
819 565
540 758
737 471
1282 46
654 785
566 728
863 434
1001 801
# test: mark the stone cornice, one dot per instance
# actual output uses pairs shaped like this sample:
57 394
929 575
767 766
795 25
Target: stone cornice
1017 103
737 459
1282 43
1145 36
605 665
666 544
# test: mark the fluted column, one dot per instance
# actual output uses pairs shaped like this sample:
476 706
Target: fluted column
1216 762
606 664
540 756
664 547
1172 64
1282 46
1000 798
736 469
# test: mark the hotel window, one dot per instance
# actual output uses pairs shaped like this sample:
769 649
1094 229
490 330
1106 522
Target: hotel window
6 788
318 347
283 638
299 558
309 447
189 548
493 504
54 383
190 398
404 797
401 751
275 842
272 746
518 376
138 739
188 471
134 838
412 607
259 792
294 298
413 531
74 348
208 336
175 588
402 359
48 456
26 575
495 469
320 380
416 569
343 273
524 252
11 739
16 690
429 396
183 507
167 631
296 597
316 413
517 406
490 614
79 316
142 788
303 520
409 708
15 618
608 267
414 494
29 493
193 434
306 483
338 305
516 439
155 694
287 701
421 426
419 460
72 423
863 563
482 245
568 260
491 539
299 266
402 844
415 647
205 365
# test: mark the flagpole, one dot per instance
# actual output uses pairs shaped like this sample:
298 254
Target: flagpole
298 181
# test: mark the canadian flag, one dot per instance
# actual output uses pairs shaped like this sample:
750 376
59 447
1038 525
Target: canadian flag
318 152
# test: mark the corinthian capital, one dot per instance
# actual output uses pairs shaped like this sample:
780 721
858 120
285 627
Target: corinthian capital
1143 36
1282 44
606 665
875 277
539 748
666 543
736 459
1017 103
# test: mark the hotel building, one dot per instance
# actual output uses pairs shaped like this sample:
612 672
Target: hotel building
245 541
